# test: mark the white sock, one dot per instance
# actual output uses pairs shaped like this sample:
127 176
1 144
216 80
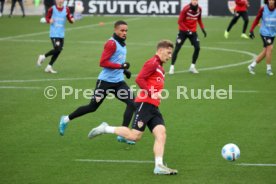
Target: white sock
253 64
172 66
192 65
110 129
158 161
66 119
268 67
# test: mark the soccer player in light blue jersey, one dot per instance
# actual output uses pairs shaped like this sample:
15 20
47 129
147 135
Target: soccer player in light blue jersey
56 17
268 32
110 80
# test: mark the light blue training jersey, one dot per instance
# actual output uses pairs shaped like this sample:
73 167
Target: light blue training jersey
57 28
268 26
119 57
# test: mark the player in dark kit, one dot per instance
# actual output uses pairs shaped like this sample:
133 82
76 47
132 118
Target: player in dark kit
151 81
21 6
240 11
187 24
56 17
110 80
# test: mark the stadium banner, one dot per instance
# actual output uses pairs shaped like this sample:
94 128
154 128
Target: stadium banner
202 3
132 7
226 7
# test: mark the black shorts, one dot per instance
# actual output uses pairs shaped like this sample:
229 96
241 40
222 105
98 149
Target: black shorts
119 89
147 115
267 40
242 14
182 36
58 43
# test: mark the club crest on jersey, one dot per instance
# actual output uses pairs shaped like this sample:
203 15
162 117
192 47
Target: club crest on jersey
231 6
140 124
158 79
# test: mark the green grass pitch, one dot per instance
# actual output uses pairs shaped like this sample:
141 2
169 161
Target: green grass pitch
31 150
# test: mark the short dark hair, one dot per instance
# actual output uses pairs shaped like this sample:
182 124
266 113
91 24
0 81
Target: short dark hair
165 44
266 2
119 22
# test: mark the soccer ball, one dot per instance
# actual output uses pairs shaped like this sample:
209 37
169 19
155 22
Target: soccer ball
43 20
230 152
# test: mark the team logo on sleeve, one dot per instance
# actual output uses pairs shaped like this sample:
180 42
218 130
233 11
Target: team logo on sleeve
140 124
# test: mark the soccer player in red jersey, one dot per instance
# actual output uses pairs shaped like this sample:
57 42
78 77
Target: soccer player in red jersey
187 24
240 11
267 32
151 81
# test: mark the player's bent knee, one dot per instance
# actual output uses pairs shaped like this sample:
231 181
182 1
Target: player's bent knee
135 135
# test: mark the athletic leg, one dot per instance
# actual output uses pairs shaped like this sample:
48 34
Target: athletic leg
99 95
58 46
233 21
196 43
181 37
2 6
178 44
124 94
22 7
12 7
245 20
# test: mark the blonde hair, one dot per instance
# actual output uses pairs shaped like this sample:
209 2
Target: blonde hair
165 44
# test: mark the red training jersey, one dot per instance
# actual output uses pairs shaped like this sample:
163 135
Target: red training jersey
151 80
241 5
50 12
188 19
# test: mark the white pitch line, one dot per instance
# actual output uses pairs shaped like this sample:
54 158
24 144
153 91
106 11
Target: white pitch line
68 29
258 165
245 91
19 87
116 161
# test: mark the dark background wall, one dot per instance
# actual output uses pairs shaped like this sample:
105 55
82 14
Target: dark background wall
132 7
